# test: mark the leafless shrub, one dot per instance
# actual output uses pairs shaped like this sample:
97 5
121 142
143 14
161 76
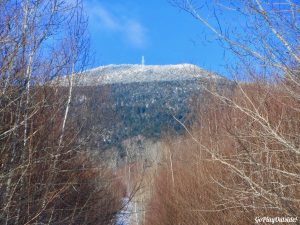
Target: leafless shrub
233 167
46 177
241 160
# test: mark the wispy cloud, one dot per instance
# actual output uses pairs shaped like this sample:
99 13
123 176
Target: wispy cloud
129 29
135 33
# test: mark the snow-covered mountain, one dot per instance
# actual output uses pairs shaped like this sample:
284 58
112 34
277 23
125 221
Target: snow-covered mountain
129 73
139 99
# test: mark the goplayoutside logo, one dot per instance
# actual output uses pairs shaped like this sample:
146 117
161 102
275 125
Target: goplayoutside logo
273 220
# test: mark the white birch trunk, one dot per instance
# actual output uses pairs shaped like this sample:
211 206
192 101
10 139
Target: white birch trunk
71 80
28 78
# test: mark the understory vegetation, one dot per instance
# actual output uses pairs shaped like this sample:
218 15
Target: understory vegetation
46 174
241 161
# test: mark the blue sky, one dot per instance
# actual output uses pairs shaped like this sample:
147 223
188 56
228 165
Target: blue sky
122 31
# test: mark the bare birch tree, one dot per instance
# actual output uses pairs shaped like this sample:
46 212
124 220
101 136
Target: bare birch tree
44 177
246 145
266 40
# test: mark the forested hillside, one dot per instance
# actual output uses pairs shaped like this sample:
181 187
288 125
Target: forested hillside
146 104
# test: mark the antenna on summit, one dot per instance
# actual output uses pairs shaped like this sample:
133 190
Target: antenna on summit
143 61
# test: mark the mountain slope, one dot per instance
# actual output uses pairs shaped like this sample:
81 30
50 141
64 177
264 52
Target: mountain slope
140 100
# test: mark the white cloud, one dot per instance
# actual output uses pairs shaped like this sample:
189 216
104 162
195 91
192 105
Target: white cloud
136 33
102 18
129 29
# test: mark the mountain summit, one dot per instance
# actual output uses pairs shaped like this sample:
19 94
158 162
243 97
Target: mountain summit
129 73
